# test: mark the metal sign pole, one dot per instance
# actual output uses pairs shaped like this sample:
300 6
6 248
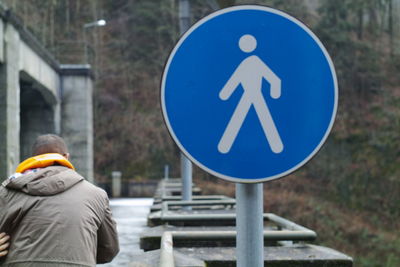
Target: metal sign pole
249 225
186 171
166 171
186 165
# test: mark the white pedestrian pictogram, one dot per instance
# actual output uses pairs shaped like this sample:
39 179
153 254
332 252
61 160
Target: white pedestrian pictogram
249 74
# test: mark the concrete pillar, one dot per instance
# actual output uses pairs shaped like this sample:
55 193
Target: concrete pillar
77 116
9 101
116 183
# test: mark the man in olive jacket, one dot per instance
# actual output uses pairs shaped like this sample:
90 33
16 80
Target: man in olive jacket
54 216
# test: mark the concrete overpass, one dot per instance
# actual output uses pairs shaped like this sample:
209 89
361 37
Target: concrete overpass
38 96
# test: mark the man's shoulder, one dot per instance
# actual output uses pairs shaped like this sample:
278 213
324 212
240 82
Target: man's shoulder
75 180
3 192
6 193
93 189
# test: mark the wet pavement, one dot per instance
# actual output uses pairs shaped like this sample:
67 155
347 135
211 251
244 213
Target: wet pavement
131 216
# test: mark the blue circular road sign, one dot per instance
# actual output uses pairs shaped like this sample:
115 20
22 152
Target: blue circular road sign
249 94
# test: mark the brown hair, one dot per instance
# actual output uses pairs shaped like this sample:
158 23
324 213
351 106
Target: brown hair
49 143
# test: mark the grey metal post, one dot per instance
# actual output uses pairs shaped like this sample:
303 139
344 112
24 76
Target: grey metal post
249 225
186 171
166 172
116 183
184 15
186 165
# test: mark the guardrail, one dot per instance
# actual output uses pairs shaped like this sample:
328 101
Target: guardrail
169 186
188 229
288 230
167 250
292 232
178 198
167 204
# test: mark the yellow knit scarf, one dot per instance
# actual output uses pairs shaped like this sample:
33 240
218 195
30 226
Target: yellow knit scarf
43 161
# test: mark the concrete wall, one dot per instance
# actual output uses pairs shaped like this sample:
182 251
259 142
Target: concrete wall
36 116
32 64
77 116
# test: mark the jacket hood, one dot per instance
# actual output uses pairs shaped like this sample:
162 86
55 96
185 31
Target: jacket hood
48 181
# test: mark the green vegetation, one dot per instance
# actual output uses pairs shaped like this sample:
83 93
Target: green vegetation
349 193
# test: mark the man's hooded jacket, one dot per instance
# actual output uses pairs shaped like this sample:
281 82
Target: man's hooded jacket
56 218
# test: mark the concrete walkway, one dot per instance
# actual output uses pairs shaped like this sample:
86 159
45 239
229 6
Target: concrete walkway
131 216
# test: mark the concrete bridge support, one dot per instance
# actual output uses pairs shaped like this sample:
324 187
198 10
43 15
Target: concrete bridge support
40 96
77 116
9 100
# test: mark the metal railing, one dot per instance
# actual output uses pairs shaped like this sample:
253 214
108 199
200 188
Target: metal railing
292 232
194 198
287 230
167 204
167 250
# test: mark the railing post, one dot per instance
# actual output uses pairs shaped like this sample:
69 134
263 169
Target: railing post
186 170
167 250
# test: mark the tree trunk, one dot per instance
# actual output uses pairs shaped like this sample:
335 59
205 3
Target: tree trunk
395 26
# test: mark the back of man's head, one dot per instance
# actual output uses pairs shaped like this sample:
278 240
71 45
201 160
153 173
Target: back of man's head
49 143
